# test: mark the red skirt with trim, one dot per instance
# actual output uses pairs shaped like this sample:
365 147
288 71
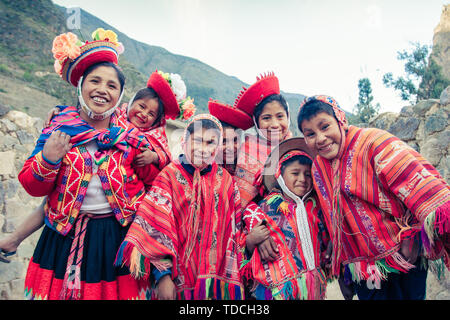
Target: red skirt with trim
99 278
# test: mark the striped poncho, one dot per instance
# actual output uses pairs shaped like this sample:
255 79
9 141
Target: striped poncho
252 156
159 234
378 193
288 277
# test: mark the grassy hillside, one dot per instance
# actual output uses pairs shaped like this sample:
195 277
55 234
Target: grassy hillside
27 29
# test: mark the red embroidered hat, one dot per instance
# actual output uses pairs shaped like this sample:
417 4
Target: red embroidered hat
162 87
229 114
72 57
265 85
286 149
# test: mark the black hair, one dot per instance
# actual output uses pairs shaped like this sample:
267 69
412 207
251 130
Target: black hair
298 158
226 125
204 124
151 94
310 109
274 97
120 75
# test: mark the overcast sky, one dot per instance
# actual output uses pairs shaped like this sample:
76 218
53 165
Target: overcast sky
313 46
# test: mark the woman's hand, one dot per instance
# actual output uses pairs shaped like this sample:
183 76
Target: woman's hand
165 289
56 146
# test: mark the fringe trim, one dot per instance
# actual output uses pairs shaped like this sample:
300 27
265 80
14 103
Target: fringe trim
378 270
435 224
310 285
213 288
139 265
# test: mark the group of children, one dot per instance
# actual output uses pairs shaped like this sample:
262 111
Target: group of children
264 216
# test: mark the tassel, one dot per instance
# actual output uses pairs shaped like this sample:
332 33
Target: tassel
202 290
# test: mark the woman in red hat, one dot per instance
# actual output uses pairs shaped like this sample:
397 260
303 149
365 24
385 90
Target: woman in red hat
84 164
270 114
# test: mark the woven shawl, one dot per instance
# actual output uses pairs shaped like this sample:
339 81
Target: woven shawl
386 192
160 230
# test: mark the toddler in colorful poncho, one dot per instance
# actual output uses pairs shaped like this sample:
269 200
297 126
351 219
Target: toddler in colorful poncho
293 221
382 201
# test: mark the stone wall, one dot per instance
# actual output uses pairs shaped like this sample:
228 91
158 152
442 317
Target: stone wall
18 135
425 127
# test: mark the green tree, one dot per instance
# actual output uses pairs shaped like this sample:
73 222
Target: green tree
424 78
365 109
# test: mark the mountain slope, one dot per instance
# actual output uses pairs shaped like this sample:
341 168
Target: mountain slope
27 29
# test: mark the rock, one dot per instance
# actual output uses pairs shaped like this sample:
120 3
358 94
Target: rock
423 106
405 128
445 96
7 163
407 111
25 137
21 119
7 126
431 151
435 123
4 109
443 295
383 120
5 291
13 271
17 288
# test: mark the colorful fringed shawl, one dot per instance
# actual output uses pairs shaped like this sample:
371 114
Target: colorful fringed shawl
252 156
378 193
156 136
80 132
65 183
287 277
158 236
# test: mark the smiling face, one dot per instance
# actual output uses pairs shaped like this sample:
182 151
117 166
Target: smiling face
230 146
101 89
201 146
297 178
322 135
273 121
143 112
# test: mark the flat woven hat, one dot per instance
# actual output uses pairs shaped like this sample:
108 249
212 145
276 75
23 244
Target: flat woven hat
271 165
265 85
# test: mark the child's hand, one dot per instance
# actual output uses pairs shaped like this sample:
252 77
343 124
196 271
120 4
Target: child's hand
51 114
165 289
268 250
146 157
56 146
258 234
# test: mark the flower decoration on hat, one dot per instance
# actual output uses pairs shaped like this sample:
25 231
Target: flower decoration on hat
73 57
177 104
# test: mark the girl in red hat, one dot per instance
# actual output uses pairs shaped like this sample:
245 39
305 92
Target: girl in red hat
270 113
84 164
